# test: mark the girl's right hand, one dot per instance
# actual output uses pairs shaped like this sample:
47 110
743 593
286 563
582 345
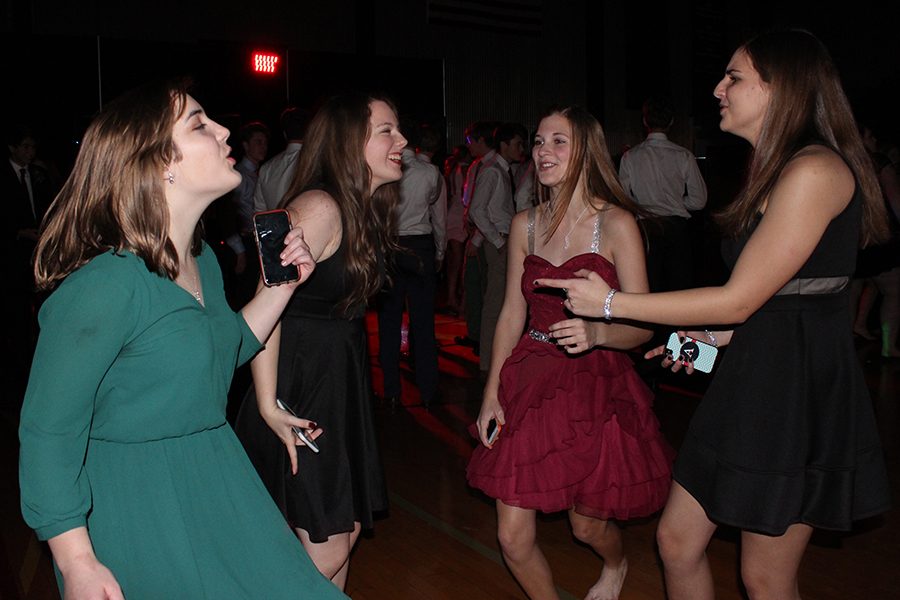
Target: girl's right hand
280 422
490 409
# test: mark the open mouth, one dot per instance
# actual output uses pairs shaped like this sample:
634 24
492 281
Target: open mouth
394 158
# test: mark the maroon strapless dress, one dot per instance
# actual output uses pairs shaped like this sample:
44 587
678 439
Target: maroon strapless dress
580 430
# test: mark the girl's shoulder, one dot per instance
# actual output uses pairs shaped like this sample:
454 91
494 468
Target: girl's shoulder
615 217
315 205
816 158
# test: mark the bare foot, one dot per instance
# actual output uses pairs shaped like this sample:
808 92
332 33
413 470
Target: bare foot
863 333
610 583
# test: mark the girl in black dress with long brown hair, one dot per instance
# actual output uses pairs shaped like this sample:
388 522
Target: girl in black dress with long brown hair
316 361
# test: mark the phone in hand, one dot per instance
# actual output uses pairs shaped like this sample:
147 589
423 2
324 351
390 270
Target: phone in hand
270 228
703 355
493 430
303 434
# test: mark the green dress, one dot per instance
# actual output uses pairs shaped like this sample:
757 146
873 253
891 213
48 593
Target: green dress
123 430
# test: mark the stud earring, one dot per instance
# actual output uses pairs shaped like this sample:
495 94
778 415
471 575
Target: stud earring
170 177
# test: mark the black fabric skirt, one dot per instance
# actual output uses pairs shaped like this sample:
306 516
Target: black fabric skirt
786 433
323 375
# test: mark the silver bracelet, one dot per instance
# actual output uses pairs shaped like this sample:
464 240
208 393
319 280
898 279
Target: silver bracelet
607 312
712 338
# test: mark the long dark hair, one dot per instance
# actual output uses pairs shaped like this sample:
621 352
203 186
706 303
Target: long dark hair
807 104
114 197
333 158
590 162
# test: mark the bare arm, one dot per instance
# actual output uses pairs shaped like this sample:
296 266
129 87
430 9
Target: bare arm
264 310
814 188
319 217
510 323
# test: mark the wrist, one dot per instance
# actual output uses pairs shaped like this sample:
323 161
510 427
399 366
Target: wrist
607 304
72 563
72 549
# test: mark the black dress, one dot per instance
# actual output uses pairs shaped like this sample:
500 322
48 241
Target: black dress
323 375
786 432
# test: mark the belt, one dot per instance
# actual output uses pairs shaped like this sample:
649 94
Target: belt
814 286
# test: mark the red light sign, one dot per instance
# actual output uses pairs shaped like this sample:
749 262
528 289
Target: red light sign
265 63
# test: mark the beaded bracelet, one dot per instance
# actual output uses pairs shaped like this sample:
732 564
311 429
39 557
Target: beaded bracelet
607 312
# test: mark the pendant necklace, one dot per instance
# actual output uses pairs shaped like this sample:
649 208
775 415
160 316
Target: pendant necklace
193 286
196 291
572 228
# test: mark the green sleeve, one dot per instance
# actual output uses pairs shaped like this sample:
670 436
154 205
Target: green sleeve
250 345
84 325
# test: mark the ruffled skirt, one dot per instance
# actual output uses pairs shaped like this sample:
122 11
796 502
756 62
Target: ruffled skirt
580 433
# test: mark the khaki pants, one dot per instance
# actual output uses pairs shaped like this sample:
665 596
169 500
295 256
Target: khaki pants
493 298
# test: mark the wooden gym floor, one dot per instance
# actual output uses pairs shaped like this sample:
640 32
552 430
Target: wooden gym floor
438 540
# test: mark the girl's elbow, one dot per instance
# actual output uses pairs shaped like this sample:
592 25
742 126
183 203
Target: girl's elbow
739 314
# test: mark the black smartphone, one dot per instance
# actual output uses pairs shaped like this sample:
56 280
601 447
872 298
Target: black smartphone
493 430
270 228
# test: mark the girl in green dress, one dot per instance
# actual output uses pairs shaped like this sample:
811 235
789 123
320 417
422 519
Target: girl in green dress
127 465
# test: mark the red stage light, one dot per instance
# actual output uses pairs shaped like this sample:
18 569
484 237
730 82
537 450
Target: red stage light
265 63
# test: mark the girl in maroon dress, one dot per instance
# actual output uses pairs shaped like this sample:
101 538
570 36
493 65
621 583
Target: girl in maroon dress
577 429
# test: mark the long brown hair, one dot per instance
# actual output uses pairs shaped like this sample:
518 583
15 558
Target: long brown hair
590 162
807 105
333 158
114 198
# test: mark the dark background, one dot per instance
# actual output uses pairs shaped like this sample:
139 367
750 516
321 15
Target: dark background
61 60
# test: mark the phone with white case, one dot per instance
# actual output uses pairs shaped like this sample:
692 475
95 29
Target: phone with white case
701 354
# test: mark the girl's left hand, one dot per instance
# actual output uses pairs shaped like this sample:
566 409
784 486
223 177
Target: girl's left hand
575 335
675 364
296 252
280 422
585 294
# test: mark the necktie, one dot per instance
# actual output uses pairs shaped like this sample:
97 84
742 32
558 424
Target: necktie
23 173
